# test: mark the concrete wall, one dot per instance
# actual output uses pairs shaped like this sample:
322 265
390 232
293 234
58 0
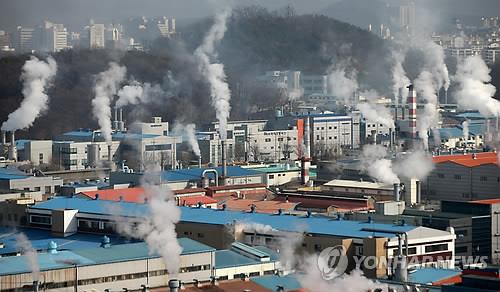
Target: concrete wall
454 182
38 152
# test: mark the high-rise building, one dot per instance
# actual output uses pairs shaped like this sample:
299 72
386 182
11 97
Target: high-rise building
54 37
166 29
96 36
407 16
25 39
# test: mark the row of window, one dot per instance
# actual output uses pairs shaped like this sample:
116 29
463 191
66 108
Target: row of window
459 177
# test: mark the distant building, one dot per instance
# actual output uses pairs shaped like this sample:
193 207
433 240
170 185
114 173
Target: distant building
54 37
463 178
17 180
96 36
39 152
407 16
25 39
314 84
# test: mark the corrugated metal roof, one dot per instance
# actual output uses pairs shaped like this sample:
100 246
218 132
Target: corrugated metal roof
432 275
289 282
11 173
229 258
99 255
448 133
469 160
318 225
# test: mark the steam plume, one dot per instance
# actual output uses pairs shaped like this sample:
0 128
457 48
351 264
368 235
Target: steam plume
36 77
375 163
431 80
158 229
399 78
475 91
373 112
137 92
105 88
465 130
343 85
188 131
23 243
219 89
415 165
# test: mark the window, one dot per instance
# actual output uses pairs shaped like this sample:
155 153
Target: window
201 235
48 189
411 251
440 175
461 249
267 140
457 176
254 274
271 176
45 220
483 178
436 247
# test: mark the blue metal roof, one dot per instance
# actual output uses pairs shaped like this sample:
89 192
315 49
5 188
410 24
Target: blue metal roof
40 240
228 259
289 282
447 133
132 136
432 275
470 115
318 225
11 173
92 256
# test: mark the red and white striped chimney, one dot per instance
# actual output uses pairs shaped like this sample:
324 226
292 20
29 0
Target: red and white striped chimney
412 111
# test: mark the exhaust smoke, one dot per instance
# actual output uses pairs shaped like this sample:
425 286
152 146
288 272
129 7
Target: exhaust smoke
37 76
105 88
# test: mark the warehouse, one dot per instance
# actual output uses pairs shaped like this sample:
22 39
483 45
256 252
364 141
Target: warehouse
211 227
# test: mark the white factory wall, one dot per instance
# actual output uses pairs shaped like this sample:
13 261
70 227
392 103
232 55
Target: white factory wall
265 268
272 145
38 151
280 178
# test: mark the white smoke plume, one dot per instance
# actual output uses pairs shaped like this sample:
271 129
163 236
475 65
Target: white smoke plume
189 133
219 88
375 163
399 78
288 243
430 81
137 92
105 88
242 226
37 76
312 279
475 91
27 250
343 85
376 113
465 129
414 165
158 228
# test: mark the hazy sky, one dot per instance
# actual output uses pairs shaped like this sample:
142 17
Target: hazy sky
77 12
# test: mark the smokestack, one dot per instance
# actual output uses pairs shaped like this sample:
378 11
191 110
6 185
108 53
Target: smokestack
115 119
397 192
110 158
412 111
12 148
224 157
307 138
121 123
4 138
35 286
174 285
199 161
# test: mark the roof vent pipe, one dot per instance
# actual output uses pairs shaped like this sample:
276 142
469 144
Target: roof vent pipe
174 285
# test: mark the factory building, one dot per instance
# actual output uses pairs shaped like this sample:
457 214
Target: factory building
278 174
13 179
463 178
211 148
39 152
70 155
187 178
211 227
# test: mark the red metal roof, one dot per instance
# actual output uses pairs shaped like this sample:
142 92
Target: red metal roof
190 191
261 206
346 204
488 202
469 160
133 195
189 201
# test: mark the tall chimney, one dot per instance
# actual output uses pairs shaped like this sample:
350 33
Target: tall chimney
115 119
199 161
36 286
307 138
174 285
224 157
4 138
412 111
397 192
121 123
12 148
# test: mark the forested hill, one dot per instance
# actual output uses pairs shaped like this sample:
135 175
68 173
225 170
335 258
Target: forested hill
257 40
